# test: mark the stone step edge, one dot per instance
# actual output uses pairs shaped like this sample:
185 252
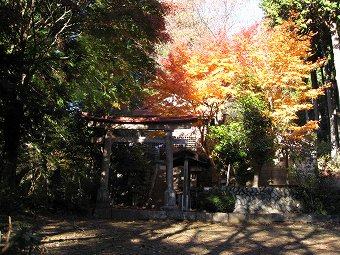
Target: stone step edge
132 214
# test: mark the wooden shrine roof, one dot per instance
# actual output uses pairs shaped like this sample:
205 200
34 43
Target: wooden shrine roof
140 122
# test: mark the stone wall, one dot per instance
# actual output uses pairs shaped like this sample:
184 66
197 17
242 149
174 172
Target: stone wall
264 200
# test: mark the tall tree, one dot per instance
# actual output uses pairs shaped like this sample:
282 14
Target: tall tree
274 65
270 62
119 40
49 60
321 18
260 134
31 35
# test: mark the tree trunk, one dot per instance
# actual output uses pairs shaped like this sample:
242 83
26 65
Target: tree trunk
156 171
336 59
13 118
228 174
331 113
314 80
332 122
103 191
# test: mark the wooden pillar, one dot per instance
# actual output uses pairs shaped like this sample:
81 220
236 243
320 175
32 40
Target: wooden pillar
103 191
169 194
186 185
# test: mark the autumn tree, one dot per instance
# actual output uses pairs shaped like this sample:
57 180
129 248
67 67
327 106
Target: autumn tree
194 80
275 66
322 19
268 63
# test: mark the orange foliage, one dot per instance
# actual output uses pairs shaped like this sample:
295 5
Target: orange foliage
194 80
272 63
276 66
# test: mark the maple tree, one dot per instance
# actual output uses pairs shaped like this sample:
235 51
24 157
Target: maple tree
194 80
274 64
269 62
322 18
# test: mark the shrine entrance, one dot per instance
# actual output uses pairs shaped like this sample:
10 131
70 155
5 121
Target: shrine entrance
166 124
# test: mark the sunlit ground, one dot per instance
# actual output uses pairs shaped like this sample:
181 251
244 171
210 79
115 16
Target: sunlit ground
174 237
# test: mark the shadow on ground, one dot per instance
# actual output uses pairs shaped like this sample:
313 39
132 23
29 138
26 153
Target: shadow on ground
93 236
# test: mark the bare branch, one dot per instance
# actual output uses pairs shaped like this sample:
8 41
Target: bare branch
63 15
66 25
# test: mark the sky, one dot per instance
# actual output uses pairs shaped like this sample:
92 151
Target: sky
226 17
249 14
244 13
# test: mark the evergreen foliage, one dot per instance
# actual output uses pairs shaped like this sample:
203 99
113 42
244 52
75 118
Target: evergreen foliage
130 174
247 142
58 58
216 201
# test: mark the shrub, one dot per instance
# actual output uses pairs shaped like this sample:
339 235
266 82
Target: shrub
216 201
316 189
331 201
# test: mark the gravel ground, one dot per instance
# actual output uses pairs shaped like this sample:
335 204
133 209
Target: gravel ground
93 236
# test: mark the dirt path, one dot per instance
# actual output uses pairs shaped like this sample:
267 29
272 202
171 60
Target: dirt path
90 236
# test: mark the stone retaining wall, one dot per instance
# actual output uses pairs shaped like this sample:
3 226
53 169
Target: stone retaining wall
264 200
133 214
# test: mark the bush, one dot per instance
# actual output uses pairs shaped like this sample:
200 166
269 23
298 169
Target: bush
216 201
316 189
331 201
311 199
243 173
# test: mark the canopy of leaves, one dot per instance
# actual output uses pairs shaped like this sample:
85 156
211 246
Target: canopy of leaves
275 67
247 138
59 57
119 41
269 63
194 80
312 14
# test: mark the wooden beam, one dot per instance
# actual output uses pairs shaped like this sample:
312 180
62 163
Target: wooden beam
146 140
140 126
100 140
